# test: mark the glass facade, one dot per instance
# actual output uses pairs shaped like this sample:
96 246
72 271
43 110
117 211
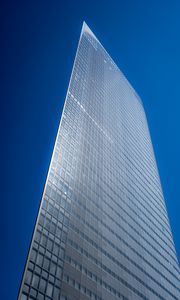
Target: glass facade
102 230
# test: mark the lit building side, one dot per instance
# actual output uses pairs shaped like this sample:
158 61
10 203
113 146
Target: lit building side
102 230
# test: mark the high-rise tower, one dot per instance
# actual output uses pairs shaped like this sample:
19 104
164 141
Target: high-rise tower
102 230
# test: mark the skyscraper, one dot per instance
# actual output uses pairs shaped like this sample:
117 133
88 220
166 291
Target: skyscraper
102 230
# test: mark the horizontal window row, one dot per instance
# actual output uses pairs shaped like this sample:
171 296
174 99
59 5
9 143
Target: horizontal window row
116 196
119 216
116 211
102 250
85 223
85 290
158 221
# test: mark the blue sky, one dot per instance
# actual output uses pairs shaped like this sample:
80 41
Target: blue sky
38 44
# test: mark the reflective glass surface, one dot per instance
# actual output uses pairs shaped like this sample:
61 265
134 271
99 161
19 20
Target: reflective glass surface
102 230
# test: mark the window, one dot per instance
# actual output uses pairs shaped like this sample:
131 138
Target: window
28 277
23 297
39 259
52 268
49 289
42 285
35 281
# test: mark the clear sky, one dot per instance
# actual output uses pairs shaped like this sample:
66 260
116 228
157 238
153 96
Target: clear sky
38 44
